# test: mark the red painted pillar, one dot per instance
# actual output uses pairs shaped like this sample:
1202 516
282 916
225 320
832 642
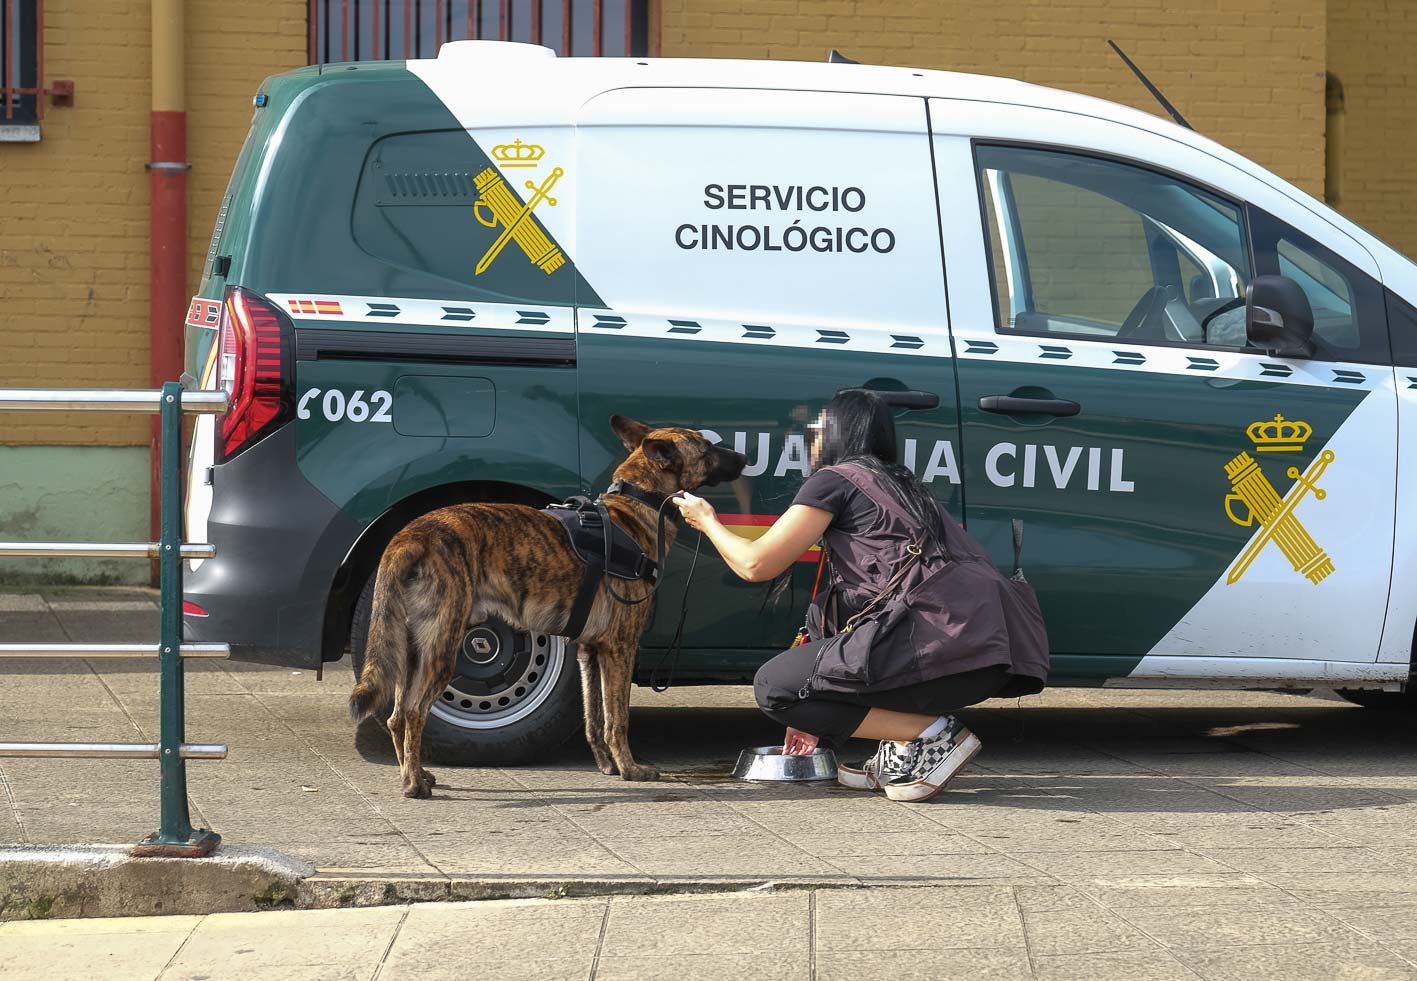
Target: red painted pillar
167 170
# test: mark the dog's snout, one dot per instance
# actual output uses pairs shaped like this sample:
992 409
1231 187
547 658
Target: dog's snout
731 464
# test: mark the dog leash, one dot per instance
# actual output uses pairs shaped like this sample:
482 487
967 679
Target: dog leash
676 646
803 635
659 550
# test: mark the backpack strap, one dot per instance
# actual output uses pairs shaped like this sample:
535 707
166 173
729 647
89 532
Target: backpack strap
1018 550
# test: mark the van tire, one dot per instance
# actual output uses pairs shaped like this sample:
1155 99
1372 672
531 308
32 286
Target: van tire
1369 698
530 739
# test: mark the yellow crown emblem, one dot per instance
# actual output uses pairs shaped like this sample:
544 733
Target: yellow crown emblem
1279 436
518 154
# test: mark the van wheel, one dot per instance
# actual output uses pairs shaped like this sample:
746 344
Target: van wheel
514 699
1372 699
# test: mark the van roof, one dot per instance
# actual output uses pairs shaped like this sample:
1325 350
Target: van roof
530 85
565 83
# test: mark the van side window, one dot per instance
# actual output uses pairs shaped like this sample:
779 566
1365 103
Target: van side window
1350 323
419 208
1402 326
1099 249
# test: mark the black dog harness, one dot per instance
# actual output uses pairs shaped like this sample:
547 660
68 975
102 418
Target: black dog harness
606 549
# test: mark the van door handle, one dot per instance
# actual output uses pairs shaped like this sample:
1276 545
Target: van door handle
911 399
1013 405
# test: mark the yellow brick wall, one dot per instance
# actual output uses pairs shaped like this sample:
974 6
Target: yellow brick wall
73 228
74 221
1371 49
1248 73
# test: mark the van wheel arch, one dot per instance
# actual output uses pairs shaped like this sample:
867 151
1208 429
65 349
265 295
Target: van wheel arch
1405 699
363 559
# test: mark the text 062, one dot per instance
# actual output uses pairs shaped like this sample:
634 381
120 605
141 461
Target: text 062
335 405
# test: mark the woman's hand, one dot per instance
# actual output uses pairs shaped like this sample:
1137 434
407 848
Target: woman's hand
799 743
696 511
761 559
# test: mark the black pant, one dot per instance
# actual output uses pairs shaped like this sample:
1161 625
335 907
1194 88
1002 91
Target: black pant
833 716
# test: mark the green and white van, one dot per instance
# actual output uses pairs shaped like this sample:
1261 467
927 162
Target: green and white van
434 281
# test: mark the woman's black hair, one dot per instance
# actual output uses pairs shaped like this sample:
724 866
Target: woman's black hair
858 429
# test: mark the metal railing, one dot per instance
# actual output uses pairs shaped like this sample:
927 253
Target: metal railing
175 835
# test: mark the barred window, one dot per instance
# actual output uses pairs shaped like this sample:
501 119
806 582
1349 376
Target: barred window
372 30
21 62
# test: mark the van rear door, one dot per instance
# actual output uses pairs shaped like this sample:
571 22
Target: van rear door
754 252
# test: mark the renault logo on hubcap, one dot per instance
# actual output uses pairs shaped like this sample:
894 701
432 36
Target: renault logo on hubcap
481 646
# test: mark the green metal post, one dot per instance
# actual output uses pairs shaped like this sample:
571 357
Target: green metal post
175 835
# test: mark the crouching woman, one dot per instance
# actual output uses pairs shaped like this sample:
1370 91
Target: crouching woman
915 622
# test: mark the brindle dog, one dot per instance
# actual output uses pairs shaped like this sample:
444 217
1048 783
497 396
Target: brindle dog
459 565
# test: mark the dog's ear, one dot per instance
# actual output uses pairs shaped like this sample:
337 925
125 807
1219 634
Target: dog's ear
661 452
631 432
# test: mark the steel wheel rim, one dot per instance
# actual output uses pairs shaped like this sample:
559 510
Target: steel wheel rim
510 698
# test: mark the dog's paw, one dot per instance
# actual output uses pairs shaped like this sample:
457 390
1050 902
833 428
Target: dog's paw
640 772
604 762
422 786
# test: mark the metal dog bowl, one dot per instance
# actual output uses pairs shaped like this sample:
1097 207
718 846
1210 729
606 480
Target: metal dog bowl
770 763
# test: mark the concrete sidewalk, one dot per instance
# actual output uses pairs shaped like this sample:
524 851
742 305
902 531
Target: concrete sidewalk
939 933
1273 799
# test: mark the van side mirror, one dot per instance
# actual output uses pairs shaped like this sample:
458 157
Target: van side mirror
1278 317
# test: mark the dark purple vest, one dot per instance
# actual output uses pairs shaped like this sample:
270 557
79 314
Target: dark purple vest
952 612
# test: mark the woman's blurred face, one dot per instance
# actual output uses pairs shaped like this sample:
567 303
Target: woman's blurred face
814 438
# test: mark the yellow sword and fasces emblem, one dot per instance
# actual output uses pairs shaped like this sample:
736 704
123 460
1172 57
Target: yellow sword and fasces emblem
497 205
1275 514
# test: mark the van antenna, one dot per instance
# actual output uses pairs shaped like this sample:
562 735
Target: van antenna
1165 104
837 58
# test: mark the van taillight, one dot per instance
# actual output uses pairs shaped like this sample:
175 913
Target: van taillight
253 365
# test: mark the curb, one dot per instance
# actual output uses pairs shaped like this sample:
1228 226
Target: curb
339 890
103 880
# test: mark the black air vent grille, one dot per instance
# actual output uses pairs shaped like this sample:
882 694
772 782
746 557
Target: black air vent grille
445 186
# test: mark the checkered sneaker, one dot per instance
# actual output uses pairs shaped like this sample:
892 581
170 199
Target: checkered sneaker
933 763
890 761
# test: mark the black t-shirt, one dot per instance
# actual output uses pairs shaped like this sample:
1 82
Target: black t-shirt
853 512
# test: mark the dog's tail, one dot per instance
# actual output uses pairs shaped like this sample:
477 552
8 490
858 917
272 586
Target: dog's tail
387 646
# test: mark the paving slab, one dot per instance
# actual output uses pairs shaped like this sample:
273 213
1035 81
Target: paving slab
1198 926
1083 931
351 940
1165 892
1149 861
1379 922
703 967
917 918
1299 962
741 923
1125 966
1352 859
112 950
931 964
